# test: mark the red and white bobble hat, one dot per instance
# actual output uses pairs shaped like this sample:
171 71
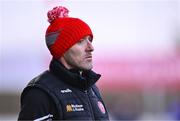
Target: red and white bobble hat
64 31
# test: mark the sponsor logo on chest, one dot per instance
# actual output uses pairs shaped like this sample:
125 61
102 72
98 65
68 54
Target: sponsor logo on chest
74 108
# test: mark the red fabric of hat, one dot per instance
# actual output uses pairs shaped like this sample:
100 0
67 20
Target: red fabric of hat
63 31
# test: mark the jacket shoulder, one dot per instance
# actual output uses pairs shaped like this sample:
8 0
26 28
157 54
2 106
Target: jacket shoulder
36 83
46 82
43 77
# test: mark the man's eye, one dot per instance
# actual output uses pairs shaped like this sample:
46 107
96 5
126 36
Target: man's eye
80 41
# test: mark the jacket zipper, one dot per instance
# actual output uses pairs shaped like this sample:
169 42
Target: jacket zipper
91 110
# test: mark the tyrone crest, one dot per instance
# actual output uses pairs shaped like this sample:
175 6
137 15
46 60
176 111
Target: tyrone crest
101 107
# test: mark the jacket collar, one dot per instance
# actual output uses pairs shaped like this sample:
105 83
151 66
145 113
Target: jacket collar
72 76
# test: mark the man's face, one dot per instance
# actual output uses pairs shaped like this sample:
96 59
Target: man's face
79 56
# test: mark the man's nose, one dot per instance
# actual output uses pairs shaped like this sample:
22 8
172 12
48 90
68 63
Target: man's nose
89 46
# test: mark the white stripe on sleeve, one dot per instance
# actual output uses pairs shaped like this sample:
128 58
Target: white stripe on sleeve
44 117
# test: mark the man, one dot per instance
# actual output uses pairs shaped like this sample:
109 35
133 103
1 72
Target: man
66 91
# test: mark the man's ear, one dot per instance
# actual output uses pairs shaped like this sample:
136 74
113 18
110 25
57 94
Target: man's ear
63 61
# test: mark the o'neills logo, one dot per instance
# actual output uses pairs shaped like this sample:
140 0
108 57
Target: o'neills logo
74 107
66 91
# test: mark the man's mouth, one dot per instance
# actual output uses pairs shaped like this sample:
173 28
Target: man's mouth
89 57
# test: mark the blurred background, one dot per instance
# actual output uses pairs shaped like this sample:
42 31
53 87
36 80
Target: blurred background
137 51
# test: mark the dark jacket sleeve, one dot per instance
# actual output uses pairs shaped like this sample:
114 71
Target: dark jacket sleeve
36 105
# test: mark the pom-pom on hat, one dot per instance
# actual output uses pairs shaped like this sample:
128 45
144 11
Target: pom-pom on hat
64 31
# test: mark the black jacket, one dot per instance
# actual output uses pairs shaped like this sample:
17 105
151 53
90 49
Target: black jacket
61 94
